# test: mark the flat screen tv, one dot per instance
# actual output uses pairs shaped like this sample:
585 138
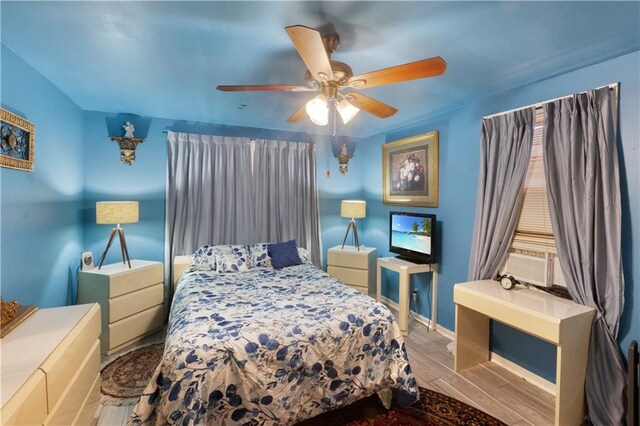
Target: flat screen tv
411 235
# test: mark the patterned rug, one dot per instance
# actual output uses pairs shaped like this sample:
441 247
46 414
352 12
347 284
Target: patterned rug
124 379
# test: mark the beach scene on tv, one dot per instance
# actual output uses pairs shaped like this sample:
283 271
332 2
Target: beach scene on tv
411 233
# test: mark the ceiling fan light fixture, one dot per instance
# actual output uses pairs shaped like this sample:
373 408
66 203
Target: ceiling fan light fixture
318 110
347 110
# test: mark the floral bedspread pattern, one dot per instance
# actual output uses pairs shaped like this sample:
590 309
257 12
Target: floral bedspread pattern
272 347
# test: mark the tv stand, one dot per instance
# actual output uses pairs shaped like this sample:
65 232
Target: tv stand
409 260
406 268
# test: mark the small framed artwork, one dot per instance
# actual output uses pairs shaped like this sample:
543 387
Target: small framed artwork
17 141
410 171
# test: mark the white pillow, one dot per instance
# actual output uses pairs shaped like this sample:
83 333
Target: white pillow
233 258
260 255
204 258
304 255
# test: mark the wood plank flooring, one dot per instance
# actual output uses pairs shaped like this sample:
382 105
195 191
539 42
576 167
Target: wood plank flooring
487 387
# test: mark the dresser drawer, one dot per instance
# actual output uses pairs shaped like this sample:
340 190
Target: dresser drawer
131 303
122 331
72 400
348 258
28 406
134 279
63 362
356 277
87 414
117 279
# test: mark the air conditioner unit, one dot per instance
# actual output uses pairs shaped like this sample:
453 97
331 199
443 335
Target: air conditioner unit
534 267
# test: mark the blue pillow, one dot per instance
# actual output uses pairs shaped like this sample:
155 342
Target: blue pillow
284 254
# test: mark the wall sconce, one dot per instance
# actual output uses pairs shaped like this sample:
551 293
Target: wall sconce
343 159
128 144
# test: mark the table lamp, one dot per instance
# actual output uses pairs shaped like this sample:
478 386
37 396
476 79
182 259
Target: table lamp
355 209
116 213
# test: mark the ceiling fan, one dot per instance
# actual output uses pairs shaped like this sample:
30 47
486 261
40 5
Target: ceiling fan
331 78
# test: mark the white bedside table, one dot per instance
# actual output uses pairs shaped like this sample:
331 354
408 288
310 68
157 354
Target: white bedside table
131 301
354 268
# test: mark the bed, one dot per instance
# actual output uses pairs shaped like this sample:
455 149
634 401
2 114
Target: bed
269 346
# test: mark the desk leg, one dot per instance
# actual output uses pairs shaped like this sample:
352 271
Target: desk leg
472 338
571 367
403 298
379 283
434 299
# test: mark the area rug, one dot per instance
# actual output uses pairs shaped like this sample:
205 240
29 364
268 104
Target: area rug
124 380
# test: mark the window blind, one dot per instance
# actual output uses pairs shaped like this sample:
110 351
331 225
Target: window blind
534 224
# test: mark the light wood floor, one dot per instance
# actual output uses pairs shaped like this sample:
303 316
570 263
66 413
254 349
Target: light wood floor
487 387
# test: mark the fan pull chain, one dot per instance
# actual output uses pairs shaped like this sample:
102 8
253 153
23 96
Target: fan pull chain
333 111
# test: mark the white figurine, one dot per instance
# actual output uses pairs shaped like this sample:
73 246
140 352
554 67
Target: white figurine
343 150
128 130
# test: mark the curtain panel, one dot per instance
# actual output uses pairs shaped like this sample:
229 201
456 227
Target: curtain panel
583 189
286 194
504 157
208 193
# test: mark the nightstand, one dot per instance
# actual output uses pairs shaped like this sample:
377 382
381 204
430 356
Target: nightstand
131 301
356 268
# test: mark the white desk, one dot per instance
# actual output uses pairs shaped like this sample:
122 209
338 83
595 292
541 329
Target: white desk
406 269
559 321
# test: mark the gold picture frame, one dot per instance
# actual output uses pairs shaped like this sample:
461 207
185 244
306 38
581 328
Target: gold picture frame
17 141
410 171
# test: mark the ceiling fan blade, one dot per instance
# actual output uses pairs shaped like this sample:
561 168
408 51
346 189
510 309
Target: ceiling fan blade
264 88
370 105
311 49
299 115
414 70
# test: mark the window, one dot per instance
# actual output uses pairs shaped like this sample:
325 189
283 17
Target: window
533 230
532 256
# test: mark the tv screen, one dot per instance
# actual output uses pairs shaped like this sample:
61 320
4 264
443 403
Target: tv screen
411 235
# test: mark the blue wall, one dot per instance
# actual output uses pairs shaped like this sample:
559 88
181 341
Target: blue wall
459 132
48 216
107 178
41 218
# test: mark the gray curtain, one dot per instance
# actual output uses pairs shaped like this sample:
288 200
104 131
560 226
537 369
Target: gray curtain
581 163
286 194
504 157
209 199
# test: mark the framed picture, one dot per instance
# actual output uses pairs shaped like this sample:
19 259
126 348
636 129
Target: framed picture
410 171
17 141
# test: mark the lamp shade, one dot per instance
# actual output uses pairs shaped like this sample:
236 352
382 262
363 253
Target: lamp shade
116 212
318 110
346 110
353 208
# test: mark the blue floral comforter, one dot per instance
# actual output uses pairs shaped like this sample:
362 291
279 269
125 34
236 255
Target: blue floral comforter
272 347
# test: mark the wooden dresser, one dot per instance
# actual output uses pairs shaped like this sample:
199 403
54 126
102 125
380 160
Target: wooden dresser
131 301
50 368
356 268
